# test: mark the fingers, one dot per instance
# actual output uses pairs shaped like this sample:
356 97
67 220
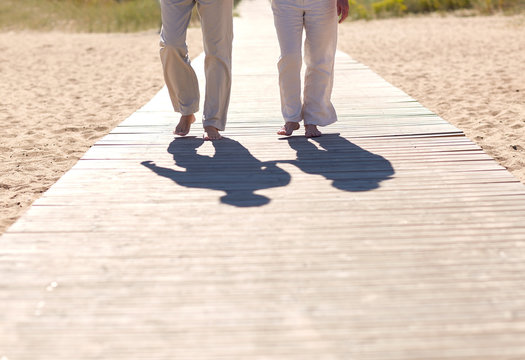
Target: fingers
342 10
343 15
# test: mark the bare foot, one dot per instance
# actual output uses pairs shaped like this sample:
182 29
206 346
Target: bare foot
184 125
288 128
211 133
311 131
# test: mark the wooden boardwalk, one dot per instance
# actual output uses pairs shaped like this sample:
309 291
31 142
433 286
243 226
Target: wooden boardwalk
391 237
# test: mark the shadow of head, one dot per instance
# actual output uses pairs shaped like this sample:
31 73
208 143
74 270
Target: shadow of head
232 169
242 198
350 167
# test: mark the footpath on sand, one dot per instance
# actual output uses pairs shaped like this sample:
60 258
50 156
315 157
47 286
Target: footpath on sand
392 236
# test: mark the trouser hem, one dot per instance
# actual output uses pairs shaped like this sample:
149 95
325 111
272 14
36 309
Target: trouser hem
215 123
189 111
319 123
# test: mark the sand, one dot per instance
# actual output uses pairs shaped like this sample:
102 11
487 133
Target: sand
468 70
62 92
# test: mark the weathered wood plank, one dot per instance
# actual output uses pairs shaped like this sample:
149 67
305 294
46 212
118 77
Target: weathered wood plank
391 237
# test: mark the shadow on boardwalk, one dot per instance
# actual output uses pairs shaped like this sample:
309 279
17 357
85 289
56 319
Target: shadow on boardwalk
350 167
234 170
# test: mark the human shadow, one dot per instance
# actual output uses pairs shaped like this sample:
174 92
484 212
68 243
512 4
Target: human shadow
232 169
350 167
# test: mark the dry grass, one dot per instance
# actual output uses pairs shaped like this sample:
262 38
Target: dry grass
83 15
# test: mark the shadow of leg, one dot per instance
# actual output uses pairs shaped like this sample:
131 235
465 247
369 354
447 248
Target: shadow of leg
350 167
232 169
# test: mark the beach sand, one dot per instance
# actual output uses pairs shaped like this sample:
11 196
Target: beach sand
62 92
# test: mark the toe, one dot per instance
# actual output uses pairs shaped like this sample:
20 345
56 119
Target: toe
178 131
288 129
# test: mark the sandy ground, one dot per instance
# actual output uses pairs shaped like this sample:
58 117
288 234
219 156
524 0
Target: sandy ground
60 93
468 70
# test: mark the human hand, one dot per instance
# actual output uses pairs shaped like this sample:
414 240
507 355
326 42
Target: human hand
342 10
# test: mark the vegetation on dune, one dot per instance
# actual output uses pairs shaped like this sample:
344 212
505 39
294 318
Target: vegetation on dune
136 15
82 15
369 9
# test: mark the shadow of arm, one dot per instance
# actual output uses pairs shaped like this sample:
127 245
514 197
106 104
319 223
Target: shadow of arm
161 171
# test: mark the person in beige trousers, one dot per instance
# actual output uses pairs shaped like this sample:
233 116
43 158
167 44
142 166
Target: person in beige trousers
319 20
181 81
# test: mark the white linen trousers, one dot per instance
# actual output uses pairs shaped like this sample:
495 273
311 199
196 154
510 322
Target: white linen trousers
181 81
319 20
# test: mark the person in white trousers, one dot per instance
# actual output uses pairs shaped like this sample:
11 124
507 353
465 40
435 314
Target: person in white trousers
181 81
319 20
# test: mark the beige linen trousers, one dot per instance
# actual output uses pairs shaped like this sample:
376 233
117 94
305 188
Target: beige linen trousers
181 81
319 20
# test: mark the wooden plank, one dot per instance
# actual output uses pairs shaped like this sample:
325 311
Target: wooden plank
391 237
